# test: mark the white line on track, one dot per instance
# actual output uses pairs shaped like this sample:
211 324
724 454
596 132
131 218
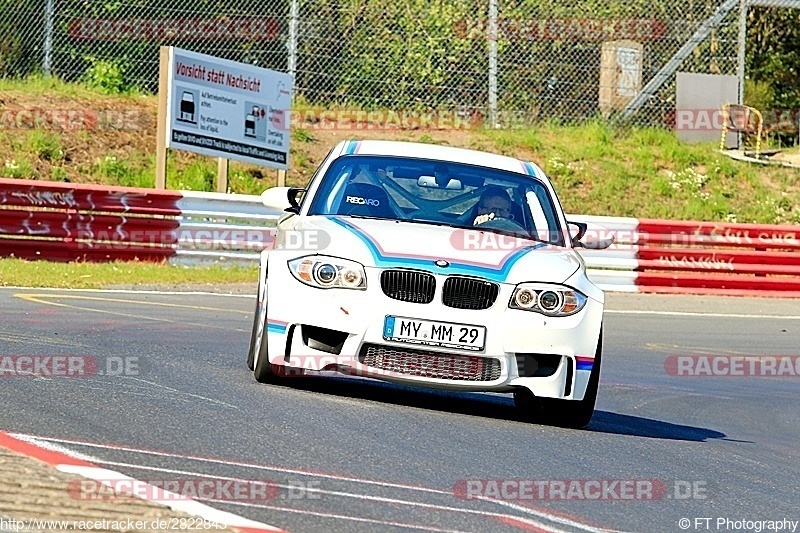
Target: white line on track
341 494
251 296
133 291
689 313
179 392
347 517
556 518
534 524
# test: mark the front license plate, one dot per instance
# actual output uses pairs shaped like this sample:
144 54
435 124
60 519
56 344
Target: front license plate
434 333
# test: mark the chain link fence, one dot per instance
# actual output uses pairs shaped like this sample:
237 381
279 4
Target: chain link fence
507 61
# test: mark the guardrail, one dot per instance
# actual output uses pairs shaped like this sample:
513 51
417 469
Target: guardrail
64 222
697 257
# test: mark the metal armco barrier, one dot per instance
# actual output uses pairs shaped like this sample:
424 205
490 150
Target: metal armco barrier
64 222
696 257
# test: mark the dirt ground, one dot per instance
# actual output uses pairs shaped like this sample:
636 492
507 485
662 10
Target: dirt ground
79 133
85 130
31 490
790 156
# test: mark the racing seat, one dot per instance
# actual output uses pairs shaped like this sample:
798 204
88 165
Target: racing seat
516 214
367 200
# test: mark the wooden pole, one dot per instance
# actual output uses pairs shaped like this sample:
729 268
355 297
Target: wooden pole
222 174
161 128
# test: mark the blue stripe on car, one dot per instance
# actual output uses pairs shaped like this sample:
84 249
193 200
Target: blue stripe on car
498 273
351 147
276 328
530 170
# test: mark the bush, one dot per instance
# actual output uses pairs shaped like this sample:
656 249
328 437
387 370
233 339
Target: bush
106 75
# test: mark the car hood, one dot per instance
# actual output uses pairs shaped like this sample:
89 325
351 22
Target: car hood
438 249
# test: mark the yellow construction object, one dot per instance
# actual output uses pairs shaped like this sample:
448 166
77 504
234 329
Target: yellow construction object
738 118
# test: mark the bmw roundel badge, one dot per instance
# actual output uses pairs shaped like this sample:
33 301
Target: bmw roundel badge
441 263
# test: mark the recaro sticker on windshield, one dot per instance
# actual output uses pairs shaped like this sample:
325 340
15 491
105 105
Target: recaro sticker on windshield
362 201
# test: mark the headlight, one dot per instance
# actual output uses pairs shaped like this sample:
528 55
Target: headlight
328 272
550 300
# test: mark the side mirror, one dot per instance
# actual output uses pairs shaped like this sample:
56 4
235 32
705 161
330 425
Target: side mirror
594 237
576 231
295 195
275 198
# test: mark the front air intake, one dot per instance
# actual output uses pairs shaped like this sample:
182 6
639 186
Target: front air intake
469 293
429 364
408 285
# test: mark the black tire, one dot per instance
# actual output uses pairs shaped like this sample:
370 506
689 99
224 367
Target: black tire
266 372
263 368
564 413
251 355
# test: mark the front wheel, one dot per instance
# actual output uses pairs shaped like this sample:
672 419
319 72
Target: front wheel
266 372
263 368
254 333
258 358
565 413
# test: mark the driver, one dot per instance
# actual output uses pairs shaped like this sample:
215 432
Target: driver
493 203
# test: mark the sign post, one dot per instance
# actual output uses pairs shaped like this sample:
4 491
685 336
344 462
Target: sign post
161 126
222 174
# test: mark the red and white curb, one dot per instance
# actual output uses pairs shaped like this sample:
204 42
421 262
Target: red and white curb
692 257
72 463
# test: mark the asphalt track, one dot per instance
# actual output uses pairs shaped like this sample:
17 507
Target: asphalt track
357 455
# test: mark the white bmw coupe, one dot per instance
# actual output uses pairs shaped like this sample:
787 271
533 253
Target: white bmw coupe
437 267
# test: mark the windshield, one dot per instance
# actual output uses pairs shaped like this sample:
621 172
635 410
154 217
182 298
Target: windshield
435 192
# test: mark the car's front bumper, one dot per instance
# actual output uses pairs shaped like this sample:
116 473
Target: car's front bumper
515 339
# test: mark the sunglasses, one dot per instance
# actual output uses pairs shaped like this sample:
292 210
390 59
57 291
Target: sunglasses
496 210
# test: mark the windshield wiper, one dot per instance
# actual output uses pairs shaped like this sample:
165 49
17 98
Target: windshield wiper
428 222
367 217
416 221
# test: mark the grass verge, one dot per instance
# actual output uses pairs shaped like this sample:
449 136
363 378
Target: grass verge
647 173
21 273
597 168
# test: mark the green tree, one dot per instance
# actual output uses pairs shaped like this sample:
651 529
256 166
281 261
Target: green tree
773 53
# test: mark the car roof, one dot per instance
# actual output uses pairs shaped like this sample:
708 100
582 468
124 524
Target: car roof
440 153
